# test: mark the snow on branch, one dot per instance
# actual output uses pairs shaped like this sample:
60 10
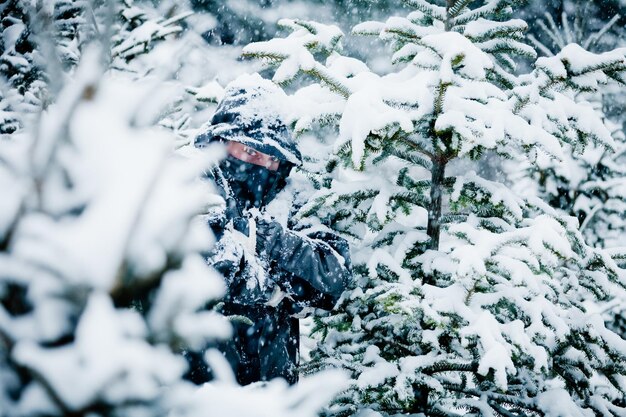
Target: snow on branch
576 70
296 53
140 39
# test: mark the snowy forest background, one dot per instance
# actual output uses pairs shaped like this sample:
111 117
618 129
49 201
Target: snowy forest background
472 152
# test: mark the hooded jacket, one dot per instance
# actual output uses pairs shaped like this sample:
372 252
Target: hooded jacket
272 272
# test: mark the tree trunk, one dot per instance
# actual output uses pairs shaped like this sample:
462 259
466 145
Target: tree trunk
434 211
448 23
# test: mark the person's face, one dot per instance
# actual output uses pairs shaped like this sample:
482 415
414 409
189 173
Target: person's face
252 156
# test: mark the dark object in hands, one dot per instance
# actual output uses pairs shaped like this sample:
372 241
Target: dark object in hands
240 224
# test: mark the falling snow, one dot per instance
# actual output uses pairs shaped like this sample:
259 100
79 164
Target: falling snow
472 155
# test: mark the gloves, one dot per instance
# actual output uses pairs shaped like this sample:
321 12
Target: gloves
268 238
240 224
231 210
218 220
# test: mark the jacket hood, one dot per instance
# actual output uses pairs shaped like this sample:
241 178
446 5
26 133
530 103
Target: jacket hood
250 113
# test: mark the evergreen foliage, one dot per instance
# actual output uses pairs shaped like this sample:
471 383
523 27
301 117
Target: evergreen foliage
587 184
596 26
468 299
23 56
43 43
238 22
99 292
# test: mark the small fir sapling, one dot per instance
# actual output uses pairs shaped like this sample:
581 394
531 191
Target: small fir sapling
589 182
467 297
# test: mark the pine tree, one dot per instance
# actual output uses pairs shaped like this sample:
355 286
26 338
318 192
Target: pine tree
586 185
467 298
96 264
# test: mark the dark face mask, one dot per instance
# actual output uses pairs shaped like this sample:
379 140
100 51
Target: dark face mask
251 185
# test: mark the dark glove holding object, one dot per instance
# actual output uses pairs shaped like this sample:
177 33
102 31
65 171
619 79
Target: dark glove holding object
268 236
240 224
219 221
231 210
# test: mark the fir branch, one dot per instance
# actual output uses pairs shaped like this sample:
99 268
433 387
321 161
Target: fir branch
368 29
405 35
334 83
440 92
507 46
414 198
593 39
307 25
404 180
567 31
503 411
273 57
457 8
540 45
489 8
429 9
448 366
175 19
453 218
552 31
436 411
417 147
518 401
411 157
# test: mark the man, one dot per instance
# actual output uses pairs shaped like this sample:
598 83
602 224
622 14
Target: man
272 272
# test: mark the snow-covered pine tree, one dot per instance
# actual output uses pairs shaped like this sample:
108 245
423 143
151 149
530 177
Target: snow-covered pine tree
102 282
587 184
467 298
